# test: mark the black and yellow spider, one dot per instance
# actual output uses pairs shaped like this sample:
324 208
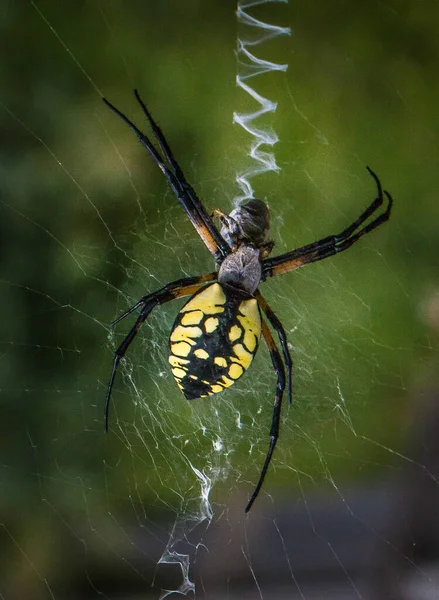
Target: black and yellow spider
216 334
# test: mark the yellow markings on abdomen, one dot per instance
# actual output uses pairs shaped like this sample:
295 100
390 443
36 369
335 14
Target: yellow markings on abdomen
178 373
213 343
235 371
216 388
176 361
209 301
211 324
235 333
250 339
226 381
250 320
192 318
220 361
181 349
186 334
244 357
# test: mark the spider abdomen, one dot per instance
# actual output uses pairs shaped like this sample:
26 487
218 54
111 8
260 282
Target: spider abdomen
214 339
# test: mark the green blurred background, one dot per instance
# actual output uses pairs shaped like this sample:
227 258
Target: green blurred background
88 225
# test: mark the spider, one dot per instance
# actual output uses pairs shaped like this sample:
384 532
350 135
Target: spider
217 332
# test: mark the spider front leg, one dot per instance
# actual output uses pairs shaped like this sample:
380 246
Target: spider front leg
184 192
332 244
275 424
171 291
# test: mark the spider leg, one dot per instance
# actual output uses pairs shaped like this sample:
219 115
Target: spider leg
183 191
185 186
279 328
120 352
171 291
181 177
332 244
274 431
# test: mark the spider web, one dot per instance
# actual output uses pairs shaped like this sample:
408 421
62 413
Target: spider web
89 226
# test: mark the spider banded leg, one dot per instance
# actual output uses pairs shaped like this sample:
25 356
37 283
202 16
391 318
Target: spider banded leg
279 328
171 291
182 190
185 186
334 243
120 352
183 198
280 387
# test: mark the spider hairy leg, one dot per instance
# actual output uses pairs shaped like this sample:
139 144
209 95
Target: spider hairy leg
184 193
171 291
223 248
280 387
279 328
332 244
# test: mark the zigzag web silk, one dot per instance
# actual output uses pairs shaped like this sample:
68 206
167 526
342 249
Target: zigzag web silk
248 66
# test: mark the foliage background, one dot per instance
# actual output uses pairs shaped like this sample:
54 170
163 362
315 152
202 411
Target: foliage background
87 226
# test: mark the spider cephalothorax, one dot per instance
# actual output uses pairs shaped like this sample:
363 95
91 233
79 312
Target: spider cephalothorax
247 231
242 269
216 334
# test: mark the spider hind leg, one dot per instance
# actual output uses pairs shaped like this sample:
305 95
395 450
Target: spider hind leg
275 424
